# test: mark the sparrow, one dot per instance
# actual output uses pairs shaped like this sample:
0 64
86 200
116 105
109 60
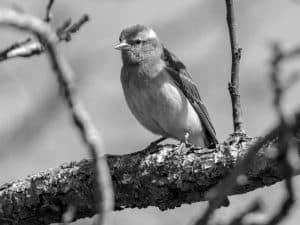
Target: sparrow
160 91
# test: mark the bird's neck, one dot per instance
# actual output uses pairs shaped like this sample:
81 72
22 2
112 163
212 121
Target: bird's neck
149 69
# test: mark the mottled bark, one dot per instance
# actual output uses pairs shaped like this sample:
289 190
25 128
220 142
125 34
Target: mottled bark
164 177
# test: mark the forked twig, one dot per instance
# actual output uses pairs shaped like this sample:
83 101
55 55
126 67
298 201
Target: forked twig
80 117
30 48
285 133
285 138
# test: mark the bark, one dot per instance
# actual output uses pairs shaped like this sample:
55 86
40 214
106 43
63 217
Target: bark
161 177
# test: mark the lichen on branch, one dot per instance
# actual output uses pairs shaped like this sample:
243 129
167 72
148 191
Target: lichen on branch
165 178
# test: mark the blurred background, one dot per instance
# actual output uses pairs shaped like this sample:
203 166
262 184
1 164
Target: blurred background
35 128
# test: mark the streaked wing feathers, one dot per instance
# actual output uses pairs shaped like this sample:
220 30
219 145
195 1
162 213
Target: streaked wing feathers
184 81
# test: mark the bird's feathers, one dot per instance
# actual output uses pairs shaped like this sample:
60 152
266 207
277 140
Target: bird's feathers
184 81
146 51
137 31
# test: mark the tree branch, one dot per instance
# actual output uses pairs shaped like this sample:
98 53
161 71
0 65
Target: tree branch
79 115
234 85
162 177
218 197
29 48
285 139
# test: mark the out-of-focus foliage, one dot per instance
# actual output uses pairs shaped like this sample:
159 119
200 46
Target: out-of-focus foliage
36 131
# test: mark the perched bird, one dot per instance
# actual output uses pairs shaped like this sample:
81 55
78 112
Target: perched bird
160 92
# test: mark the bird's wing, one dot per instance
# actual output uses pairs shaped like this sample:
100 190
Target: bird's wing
184 81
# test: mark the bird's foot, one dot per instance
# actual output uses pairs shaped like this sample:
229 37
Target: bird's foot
183 144
184 147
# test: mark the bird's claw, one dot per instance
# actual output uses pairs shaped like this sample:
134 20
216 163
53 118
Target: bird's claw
184 144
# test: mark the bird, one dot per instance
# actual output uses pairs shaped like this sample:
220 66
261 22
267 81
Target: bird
160 91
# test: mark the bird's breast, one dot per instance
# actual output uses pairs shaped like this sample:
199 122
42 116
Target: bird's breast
159 105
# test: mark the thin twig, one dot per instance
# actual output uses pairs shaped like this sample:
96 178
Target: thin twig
4 54
67 29
254 207
219 192
233 87
288 55
67 23
285 134
48 16
30 48
236 52
276 84
291 80
80 117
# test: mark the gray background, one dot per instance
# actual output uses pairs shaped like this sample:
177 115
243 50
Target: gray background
35 128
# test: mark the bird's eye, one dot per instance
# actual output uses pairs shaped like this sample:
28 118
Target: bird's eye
138 41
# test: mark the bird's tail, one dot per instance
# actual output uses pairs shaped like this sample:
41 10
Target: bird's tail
204 140
210 140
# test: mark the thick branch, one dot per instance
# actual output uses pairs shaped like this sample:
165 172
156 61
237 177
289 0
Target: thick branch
162 177
233 86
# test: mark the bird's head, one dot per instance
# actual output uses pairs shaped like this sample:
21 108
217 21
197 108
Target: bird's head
138 44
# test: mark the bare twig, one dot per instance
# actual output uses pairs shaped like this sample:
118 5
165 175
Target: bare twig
291 81
63 27
254 207
30 48
276 84
285 133
233 86
218 193
4 54
288 55
48 16
79 114
67 29
285 139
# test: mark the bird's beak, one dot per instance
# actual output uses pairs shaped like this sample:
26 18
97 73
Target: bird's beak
121 45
